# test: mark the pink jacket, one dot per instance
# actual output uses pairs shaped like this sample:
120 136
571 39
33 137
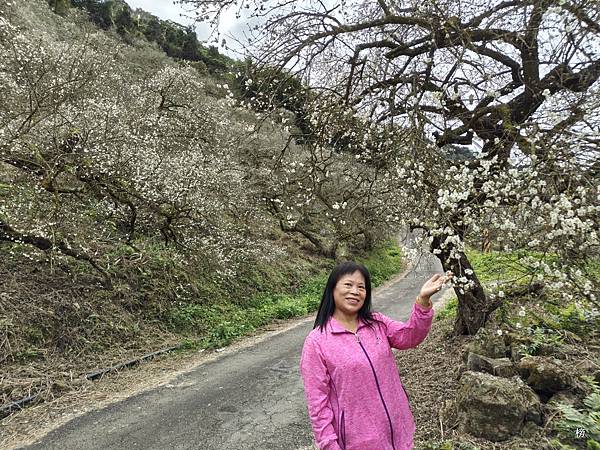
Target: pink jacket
353 390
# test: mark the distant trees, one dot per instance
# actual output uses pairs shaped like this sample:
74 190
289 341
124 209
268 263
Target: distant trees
101 12
99 151
176 40
268 88
516 82
327 197
123 21
60 7
190 48
153 30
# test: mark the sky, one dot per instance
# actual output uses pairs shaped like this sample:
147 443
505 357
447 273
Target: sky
167 10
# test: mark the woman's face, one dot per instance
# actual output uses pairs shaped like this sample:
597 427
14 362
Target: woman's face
350 293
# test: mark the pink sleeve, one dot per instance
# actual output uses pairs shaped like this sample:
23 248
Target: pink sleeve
403 335
316 389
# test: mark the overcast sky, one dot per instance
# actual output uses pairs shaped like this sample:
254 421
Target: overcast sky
165 9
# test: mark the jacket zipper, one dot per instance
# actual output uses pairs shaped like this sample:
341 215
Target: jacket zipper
343 431
378 389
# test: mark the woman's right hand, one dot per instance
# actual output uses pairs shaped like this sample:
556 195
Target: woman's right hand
431 286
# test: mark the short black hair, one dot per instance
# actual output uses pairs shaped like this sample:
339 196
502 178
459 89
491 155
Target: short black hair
327 305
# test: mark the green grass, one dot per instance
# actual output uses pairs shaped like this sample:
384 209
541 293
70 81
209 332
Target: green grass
497 267
449 310
154 293
383 263
531 312
446 445
514 268
505 266
218 324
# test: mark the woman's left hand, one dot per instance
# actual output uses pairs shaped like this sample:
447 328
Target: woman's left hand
431 286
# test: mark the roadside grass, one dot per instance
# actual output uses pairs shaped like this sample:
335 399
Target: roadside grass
449 310
544 315
222 323
490 268
507 267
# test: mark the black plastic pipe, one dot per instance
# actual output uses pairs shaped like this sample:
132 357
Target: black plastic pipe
17 405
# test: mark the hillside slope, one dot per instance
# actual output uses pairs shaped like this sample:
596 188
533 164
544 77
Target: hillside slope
137 206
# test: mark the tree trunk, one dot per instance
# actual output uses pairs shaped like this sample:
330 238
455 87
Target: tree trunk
369 240
474 307
473 310
323 248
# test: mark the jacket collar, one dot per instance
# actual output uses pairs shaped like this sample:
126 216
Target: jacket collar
335 327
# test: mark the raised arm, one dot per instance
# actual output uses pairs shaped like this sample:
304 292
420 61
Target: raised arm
403 335
316 389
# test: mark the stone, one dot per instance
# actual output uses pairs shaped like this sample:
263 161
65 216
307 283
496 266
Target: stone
566 398
558 351
587 367
547 350
516 351
544 374
486 343
495 408
501 367
516 344
531 430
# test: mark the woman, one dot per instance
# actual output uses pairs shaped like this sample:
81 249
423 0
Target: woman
353 390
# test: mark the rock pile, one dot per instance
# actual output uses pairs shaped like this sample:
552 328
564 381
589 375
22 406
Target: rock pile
503 392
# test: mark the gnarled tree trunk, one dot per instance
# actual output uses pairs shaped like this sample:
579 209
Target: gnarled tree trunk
474 307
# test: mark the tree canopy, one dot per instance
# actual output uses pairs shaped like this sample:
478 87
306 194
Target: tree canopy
513 82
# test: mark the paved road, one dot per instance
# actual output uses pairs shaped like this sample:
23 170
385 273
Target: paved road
249 399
